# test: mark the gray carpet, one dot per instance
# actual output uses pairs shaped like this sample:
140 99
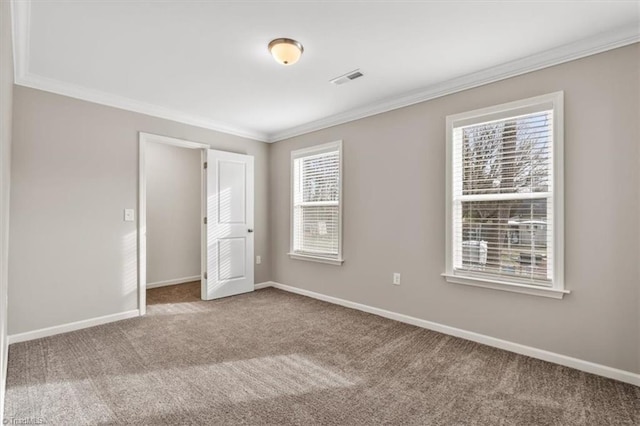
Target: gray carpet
271 357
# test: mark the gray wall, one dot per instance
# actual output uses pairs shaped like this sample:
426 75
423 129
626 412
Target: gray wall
174 176
6 101
75 168
394 215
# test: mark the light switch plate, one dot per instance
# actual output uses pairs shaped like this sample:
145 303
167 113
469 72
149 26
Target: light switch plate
129 215
396 278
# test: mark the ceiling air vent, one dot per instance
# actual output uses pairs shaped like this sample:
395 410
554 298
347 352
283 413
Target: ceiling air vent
351 75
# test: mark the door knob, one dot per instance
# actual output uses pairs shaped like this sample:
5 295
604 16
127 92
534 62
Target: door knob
249 230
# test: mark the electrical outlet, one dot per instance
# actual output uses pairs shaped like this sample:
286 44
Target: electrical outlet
396 278
258 260
129 215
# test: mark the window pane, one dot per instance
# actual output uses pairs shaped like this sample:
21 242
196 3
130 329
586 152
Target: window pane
320 177
317 229
502 188
507 156
510 237
316 202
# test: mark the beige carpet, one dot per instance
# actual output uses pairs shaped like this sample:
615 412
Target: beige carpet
271 357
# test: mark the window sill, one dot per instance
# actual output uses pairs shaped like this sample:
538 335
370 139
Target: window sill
506 286
319 259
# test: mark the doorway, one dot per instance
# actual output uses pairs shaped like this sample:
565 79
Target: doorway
219 198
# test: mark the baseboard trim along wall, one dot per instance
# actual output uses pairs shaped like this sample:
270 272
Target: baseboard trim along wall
92 322
567 361
72 326
265 285
173 281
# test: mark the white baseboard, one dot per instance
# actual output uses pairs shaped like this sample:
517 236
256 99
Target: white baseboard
265 285
173 282
72 326
65 328
567 361
578 364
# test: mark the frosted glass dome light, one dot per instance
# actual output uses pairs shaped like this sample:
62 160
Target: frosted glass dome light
285 50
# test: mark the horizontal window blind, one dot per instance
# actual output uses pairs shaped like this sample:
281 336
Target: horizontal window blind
316 204
502 199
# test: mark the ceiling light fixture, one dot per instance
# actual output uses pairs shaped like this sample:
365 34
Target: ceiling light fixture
285 50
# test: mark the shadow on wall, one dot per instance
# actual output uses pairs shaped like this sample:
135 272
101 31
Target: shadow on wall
129 264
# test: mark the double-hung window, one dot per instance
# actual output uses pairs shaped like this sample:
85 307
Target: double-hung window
316 178
504 197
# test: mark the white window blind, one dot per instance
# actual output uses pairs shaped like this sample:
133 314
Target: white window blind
316 226
503 221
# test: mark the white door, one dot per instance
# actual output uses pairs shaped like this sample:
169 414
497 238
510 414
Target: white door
228 254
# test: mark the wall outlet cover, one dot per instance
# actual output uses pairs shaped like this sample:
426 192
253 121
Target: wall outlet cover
129 215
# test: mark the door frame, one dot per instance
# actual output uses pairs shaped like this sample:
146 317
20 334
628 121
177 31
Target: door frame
144 140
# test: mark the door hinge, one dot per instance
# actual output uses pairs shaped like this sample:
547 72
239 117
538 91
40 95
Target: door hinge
205 275
205 164
205 220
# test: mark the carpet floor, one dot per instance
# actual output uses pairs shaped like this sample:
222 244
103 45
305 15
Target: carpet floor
271 357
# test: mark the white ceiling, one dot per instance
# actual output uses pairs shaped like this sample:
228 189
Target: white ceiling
207 62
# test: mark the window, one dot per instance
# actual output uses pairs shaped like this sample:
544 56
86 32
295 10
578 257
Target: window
316 232
504 197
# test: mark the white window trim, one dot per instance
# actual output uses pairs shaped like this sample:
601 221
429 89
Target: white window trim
317 149
319 259
557 290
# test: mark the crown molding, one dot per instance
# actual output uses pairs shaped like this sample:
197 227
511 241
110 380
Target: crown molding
21 14
569 52
108 99
21 19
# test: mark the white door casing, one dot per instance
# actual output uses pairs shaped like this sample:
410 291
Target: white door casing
145 139
229 237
